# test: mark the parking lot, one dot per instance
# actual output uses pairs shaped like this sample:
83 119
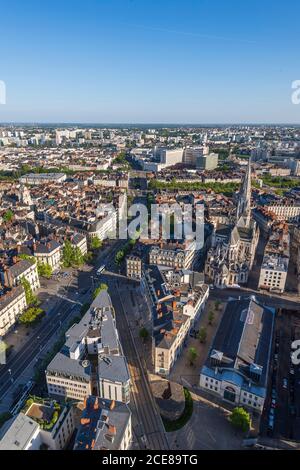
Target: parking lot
281 417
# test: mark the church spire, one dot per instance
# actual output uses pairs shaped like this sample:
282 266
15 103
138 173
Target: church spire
244 202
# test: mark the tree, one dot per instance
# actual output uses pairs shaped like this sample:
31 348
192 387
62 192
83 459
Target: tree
217 304
192 356
44 270
67 254
77 257
119 256
240 418
211 317
27 257
100 288
96 243
31 315
8 215
202 335
72 255
30 297
144 334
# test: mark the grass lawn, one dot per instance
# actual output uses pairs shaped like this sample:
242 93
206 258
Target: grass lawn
186 415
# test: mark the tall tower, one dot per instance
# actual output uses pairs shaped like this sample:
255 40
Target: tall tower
244 202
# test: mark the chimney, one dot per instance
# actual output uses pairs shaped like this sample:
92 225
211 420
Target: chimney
18 248
8 282
14 259
84 421
112 429
174 305
112 405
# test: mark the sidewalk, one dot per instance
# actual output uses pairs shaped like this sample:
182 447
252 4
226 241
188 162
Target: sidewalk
182 371
28 373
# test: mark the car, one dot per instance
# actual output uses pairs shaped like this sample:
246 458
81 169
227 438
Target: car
276 357
273 403
271 413
101 269
271 423
285 383
273 393
292 371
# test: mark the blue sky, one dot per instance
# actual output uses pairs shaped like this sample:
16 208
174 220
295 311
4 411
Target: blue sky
165 61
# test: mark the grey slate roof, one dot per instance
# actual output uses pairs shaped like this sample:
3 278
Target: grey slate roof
17 433
20 267
63 364
113 368
102 427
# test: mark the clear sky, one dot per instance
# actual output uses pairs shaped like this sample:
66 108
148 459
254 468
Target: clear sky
164 61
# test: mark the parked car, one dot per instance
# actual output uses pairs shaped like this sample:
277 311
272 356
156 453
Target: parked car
273 403
271 423
285 383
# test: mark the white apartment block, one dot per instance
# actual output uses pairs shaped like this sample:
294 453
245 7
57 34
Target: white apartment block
48 253
65 384
43 178
273 272
285 212
173 257
12 305
23 432
79 240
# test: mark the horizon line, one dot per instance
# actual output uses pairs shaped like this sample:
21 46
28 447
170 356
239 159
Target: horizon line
178 124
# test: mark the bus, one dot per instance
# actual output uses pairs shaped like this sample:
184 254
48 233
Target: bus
101 269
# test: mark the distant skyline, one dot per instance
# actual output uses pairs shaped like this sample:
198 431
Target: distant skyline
153 62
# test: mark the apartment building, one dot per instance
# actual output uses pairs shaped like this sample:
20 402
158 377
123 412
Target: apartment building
176 299
26 432
12 305
134 267
207 161
11 276
104 425
79 240
287 211
171 328
42 178
274 268
238 363
48 252
273 272
173 255
94 340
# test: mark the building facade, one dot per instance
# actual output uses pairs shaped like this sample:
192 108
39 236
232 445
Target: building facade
238 363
